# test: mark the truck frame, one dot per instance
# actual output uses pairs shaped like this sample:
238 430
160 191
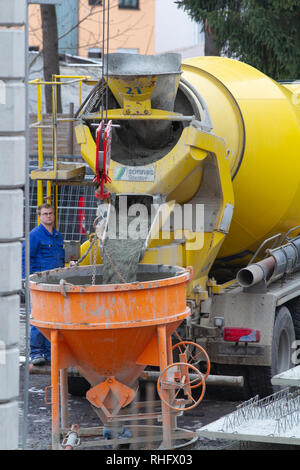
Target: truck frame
269 309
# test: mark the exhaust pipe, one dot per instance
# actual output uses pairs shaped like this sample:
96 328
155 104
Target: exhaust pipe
255 273
282 260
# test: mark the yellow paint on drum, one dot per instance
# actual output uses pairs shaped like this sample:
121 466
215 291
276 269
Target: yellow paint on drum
259 121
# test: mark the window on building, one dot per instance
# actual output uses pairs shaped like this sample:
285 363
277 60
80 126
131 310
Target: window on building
94 53
129 4
95 2
128 51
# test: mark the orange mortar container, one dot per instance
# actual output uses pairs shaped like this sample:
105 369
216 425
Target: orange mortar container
108 331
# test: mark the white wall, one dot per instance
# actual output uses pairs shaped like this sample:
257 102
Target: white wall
12 181
175 31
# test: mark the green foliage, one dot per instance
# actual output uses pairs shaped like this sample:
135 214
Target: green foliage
262 33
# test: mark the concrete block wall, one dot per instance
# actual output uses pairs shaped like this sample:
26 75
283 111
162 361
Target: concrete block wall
12 181
12 116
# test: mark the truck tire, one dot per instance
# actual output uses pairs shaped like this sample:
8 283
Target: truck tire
294 307
78 386
283 336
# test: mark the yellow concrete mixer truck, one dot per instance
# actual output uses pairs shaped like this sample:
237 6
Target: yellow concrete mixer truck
211 148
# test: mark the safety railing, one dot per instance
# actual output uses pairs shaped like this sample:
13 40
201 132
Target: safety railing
51 174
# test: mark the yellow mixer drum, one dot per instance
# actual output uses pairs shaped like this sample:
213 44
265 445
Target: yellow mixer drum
259 120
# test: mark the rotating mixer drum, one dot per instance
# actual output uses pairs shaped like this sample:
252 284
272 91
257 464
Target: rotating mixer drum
259 120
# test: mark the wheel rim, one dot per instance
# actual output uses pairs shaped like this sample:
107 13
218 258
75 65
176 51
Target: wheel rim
163 380
194 356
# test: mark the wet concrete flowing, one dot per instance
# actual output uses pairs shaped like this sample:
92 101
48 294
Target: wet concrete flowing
122 253
120 260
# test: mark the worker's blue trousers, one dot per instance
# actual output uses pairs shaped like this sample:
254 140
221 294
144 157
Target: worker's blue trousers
39 345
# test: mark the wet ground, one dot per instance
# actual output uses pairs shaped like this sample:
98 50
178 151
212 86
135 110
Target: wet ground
81 412
212 407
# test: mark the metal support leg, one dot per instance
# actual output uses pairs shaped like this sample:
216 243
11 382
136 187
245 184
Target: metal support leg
55 390
64 397
170 354
166 415
171 392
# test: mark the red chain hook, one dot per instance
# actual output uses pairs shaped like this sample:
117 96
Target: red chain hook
102 168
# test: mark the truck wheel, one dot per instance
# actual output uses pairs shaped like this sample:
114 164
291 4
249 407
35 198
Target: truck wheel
294 307
78 386
283 337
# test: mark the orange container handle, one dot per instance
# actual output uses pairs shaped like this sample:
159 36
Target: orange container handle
62 287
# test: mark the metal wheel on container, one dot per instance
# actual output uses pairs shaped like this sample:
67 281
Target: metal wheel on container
192 353
180 379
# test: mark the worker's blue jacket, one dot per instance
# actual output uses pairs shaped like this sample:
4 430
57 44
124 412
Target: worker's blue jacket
46 250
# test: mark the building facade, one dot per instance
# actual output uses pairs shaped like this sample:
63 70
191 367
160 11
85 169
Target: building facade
175 31
135 26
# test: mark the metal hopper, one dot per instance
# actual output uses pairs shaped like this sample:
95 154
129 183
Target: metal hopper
110 333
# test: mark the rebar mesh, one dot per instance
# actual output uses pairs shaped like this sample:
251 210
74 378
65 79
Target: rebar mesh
282 408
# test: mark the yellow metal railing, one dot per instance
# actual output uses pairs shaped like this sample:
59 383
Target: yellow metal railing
52 174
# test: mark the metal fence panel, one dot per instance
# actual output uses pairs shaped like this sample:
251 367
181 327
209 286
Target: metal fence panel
76 208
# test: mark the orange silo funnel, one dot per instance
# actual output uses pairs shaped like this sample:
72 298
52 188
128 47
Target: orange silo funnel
110 333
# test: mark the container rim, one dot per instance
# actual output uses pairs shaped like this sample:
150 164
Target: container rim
38 281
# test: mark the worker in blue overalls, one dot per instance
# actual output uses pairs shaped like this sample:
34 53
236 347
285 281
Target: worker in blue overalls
46 252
